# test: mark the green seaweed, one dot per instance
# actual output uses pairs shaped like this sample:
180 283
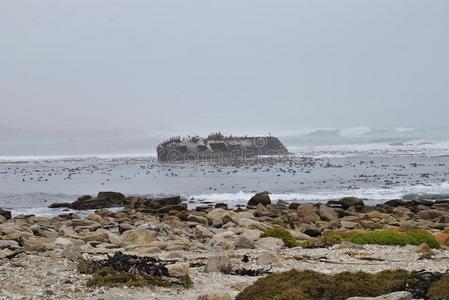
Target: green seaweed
283 234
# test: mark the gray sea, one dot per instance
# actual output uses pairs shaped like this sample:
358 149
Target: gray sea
375 164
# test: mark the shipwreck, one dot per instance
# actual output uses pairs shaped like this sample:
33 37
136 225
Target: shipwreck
218 147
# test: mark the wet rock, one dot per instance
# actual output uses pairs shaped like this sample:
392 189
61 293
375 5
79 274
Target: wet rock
152 203
61 205
221 205
263 198
215 296
218 264
395 203
348 202
84 203
293 205
114 196
5 213
422 202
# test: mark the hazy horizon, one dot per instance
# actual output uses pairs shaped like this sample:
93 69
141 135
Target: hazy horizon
172 66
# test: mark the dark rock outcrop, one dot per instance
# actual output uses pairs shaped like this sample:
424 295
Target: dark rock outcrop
262 198
103 200
346 202
5 213
151 203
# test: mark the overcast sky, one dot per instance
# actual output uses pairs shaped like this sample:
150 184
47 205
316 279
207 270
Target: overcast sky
233 64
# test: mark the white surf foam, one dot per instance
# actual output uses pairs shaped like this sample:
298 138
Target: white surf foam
25 158
376 195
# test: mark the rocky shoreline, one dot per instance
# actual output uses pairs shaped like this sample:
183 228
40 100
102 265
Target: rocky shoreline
158 248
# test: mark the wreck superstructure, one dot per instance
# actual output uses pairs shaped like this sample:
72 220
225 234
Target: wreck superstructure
217 146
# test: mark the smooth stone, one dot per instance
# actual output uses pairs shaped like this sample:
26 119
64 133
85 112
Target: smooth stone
218 264
178 269
270 243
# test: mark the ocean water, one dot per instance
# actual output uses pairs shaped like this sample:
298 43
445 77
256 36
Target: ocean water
376 164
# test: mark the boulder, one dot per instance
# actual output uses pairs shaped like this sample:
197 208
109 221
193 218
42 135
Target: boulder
267 258
198 219
178 269
349 224
114 196
251 224
151 203
84 203
347 202
270 243
5 213
395 203
218 264
137 237
95 218
307 213
38 244
61 205
224 216
429 214
263 198
424 251
442 238
327 213
97 236
243 242
215 296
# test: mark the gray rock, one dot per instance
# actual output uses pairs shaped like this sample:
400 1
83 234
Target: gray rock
267 258
244 243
